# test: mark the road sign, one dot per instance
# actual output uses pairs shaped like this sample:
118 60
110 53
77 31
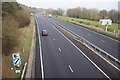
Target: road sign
16 59
105 21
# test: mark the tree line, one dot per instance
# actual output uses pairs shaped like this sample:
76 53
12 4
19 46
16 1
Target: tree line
58 11
93 14
90 14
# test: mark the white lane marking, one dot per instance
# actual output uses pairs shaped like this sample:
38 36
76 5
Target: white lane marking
96 46
83 54
93 44
98 33
59 49
70 68
103 57
53 39
41 59
101 35
102 40
88 34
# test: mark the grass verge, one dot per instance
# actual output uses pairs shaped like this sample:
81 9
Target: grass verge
68 19
25 39
114 26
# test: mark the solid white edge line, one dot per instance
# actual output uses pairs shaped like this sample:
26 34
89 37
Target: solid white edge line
103 35
93 31
94 45
84 54
41 59
104 59
70 68
106 53
98 33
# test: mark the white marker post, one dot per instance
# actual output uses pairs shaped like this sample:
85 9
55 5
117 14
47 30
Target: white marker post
106 28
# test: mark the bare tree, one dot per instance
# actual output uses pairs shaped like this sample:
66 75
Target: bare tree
94 14
60 11
75 12
103 14
113 14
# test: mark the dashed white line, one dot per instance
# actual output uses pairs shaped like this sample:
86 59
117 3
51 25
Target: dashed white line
102 40
59 49
88 34
100 34
70 68
83 54
103 57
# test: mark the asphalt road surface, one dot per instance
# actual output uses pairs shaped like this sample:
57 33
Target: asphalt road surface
61 59
109 45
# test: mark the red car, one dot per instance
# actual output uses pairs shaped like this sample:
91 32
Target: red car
44 33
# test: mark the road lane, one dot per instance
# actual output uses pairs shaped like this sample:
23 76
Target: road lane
53 64
58 54
109 46
38 72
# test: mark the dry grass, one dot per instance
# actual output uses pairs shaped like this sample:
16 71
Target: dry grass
25 39
9 34
23 17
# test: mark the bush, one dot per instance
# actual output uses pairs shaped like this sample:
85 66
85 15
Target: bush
14 16
72 19
23 18
96 26
81 22
88 23
110 30
9 8
9 34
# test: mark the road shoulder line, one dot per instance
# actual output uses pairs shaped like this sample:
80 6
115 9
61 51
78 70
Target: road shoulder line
41 58
83 54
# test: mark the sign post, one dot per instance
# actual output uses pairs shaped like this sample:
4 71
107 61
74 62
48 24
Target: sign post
106 29
16 62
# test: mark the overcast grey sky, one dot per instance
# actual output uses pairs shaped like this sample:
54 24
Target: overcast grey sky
65 4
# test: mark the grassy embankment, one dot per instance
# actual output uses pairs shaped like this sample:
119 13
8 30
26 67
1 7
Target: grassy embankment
114 26
25 39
